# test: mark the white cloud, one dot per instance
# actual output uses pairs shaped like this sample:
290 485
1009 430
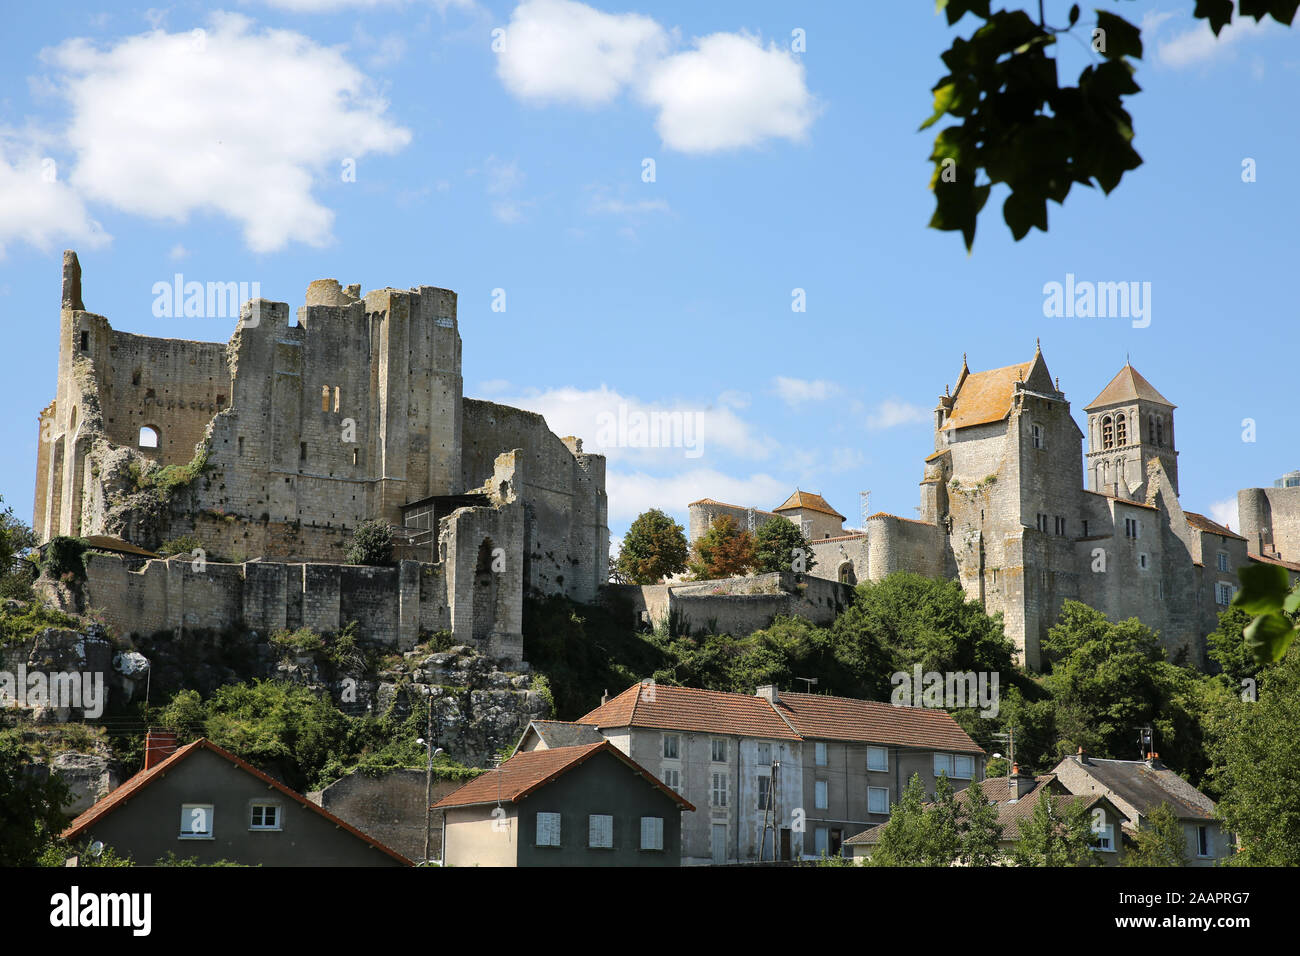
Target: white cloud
635 492
562 51
178 252
796 391
230 120
729 93
333 6
621 207
36 206
1198 44
1225 513
626 428
893 412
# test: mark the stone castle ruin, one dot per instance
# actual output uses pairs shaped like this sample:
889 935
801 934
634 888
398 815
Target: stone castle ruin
264 454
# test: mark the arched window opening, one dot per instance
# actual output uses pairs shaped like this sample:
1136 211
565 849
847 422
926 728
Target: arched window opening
1121 430
846 574
148 437
1107 433
1160 429
336 398
324 398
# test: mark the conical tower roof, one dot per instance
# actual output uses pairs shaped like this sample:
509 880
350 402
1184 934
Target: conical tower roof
1128 386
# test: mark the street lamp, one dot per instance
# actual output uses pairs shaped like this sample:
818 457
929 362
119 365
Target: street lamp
427 741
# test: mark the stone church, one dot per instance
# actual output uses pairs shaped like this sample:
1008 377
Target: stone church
1028 511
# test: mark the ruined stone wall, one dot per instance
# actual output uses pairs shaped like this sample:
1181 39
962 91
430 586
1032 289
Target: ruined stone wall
736 606
563 492
703 514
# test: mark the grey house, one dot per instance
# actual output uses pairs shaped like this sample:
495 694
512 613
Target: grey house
202 801
587 805
1137 787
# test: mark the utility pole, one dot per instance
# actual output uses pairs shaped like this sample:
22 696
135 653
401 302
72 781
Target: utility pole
428 781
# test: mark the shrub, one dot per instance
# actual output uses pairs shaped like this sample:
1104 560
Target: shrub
372 544
64 556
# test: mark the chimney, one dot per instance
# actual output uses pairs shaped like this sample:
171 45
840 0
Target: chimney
1083 755
1019 783
1153 761
158 746
604 698
769 693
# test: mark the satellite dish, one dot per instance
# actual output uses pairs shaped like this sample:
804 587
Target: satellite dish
96 849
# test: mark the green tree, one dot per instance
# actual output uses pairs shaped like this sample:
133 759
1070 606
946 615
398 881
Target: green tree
1016 125
1226 646
724 551
776 544
979 829
1059 833
372 544
905 839
653 549
16 543
1256 751
31 805
1160 843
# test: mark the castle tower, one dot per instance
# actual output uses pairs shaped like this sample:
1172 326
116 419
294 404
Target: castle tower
1129 424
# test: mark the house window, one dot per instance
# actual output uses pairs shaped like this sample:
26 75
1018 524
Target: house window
671 744
1142 561
820 800
764 792
1107 433
196 821
718 792
877 758
1036 433
652 833
1042 523
1223 593
820 841
264 816
1060 525
148 437
302 451
1085 527
1223 560
324 398
943 764
1103 832
877 799
673 780
820 753
1203 841
600 831
719 747
764 755
963 766
336 398
548 829
1131 528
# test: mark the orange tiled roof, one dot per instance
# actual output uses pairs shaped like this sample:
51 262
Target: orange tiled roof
1128 386
525 773
1265 559
884 514
808 502
839 537
985 397
692 710
872 721
127 790
1202 523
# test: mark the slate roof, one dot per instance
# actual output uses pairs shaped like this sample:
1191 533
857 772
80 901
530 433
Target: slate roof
1202 523
691 710
808 502
1128 385
564 733
525 773
824 717
122 795
1145 786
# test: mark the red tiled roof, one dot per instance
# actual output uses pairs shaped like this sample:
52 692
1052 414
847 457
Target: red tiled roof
127 790
525 773
884 514
839 537
1265 559
692 710
872 721
723 504
808 502
984 397
1202 523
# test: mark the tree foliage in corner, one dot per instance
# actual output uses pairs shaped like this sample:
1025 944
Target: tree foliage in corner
1018 126
1266 594
653 549
776 544
31 805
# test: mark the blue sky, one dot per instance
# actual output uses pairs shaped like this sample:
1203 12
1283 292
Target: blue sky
389 143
